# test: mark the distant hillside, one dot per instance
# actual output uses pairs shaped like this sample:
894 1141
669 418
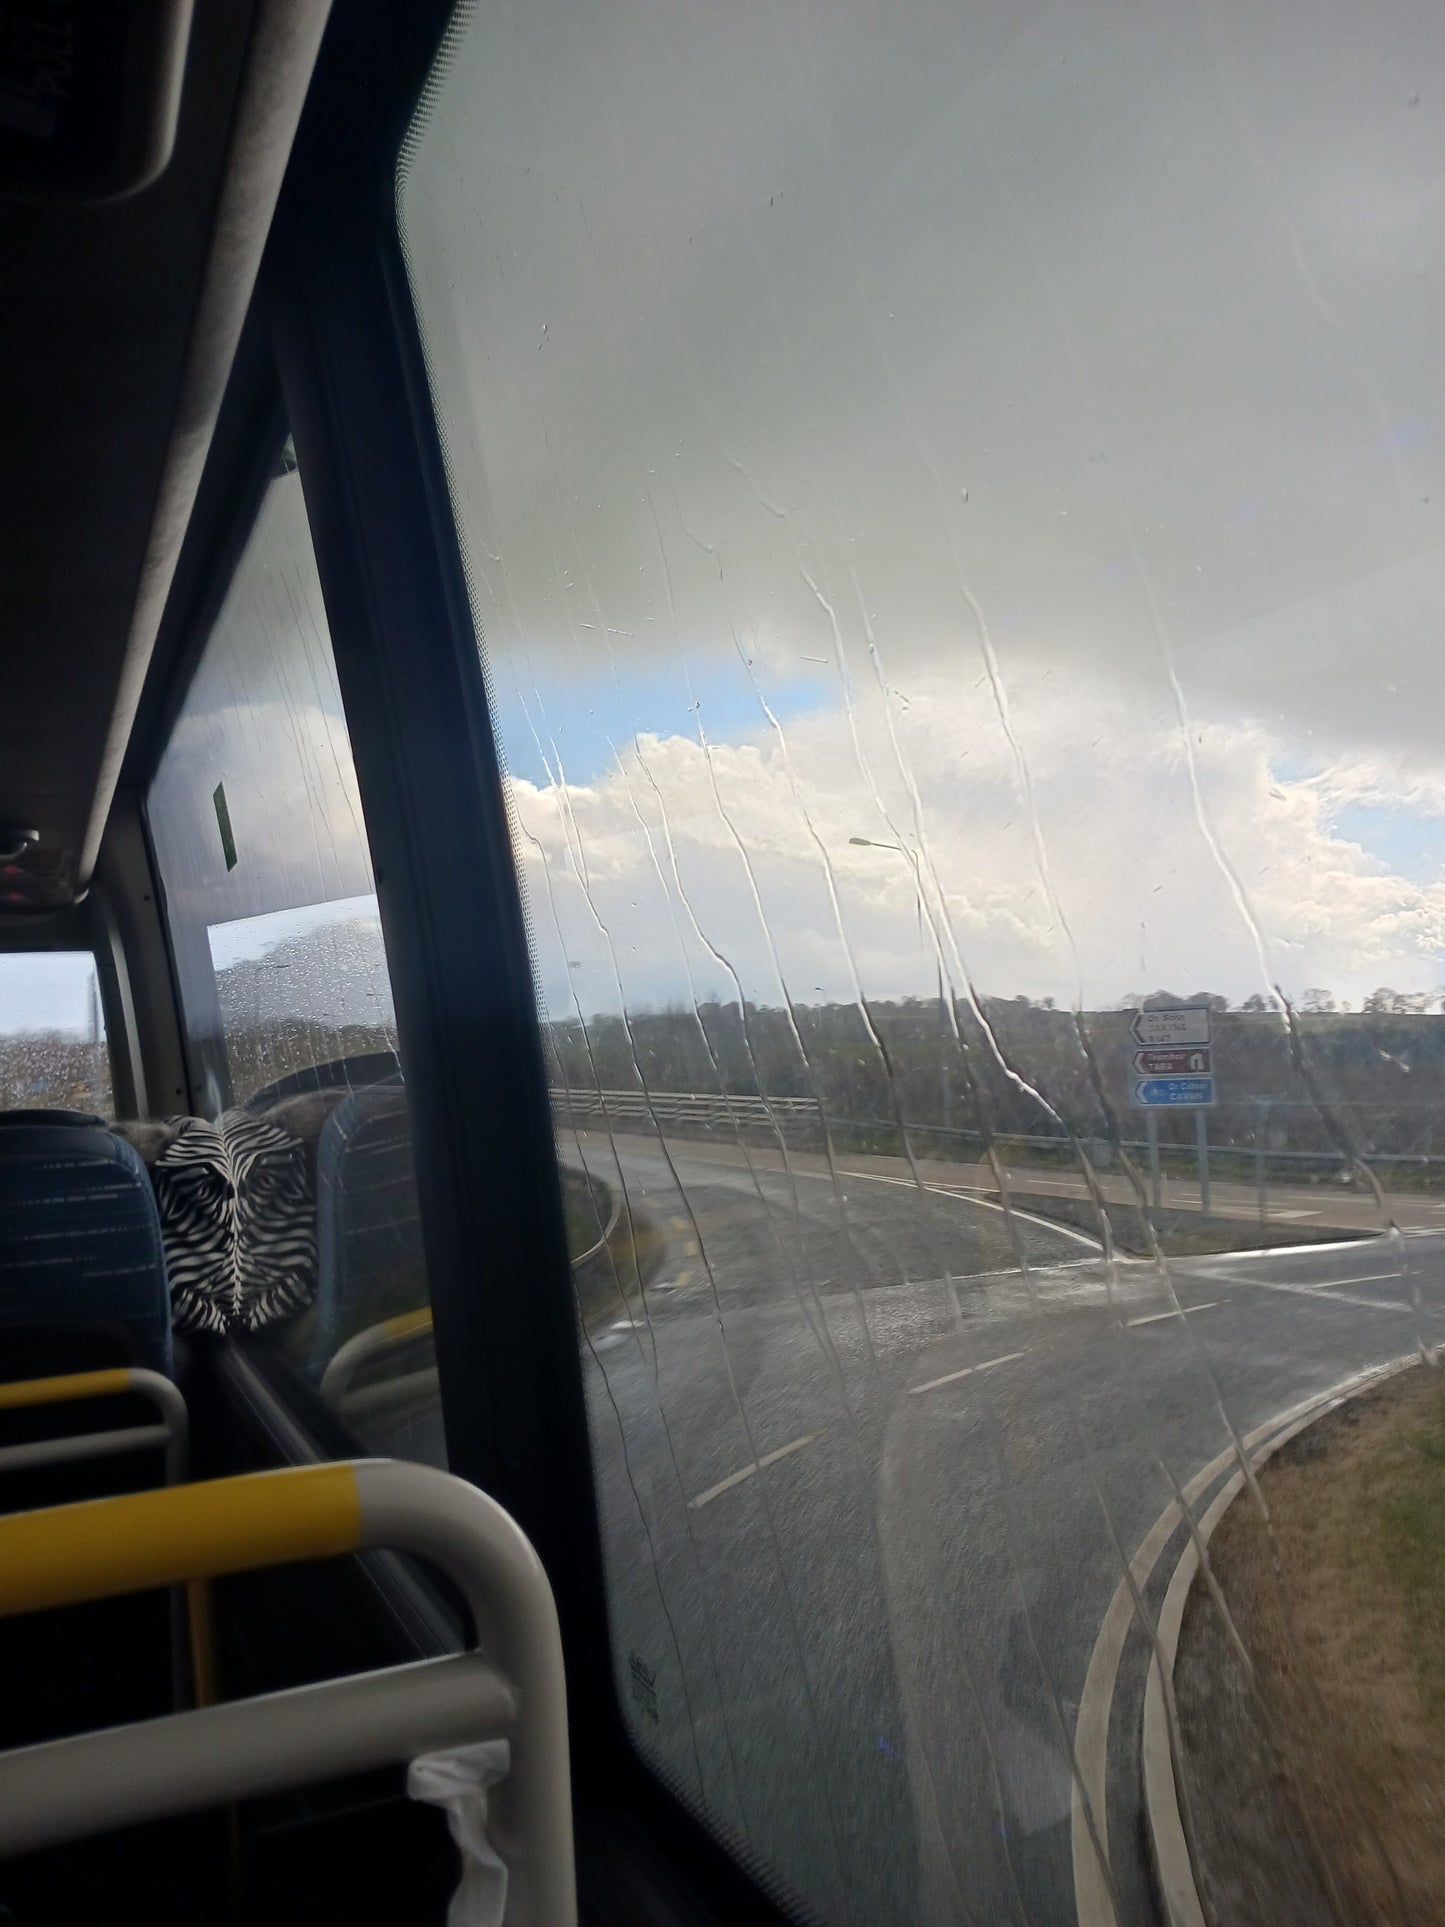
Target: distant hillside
1372 1081
49 1070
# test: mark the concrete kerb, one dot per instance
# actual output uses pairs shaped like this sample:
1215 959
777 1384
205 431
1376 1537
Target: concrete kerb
601 1270
1173 1869
1092 1895
595 1250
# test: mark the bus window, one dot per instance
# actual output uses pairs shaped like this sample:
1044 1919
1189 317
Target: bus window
951 505
53 1052
271 906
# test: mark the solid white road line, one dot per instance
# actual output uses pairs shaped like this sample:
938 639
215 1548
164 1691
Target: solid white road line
1337 1295
1306 1249
768 1458
967 1372
1370 1278
965 1196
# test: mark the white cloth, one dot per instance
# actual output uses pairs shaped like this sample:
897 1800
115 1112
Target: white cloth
458 1780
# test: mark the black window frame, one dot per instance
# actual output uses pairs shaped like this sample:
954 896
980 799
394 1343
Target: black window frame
332 349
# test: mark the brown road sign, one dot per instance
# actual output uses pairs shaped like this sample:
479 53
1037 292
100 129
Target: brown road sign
1180 1061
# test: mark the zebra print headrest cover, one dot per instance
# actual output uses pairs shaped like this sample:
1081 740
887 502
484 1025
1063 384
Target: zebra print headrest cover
238 1222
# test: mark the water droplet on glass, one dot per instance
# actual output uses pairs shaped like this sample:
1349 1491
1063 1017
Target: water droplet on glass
963 495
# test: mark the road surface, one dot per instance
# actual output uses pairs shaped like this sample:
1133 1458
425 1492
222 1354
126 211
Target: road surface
869 1473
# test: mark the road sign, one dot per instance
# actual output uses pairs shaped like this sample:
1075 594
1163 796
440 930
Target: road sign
1164 1027
1198 1062
1171 1093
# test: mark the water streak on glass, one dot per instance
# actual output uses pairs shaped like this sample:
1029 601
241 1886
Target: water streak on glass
951 497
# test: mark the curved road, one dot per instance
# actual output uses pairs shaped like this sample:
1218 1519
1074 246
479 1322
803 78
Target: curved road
869 1474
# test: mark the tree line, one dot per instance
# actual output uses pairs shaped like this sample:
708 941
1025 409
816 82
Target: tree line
1326 1082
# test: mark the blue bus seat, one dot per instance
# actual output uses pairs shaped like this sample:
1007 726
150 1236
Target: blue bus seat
80 1234
370 1263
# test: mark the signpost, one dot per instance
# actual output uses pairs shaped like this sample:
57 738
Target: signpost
1174 1070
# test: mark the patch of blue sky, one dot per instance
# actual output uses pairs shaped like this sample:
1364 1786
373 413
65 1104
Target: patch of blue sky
1404 843
581 722
1288 768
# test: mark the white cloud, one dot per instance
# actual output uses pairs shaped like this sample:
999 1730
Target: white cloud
682 849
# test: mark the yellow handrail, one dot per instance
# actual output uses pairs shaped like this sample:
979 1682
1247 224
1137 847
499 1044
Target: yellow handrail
23 1393
144 1540
366 1347
93 1782
31 1394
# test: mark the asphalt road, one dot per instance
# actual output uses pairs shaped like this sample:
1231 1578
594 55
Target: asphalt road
870 1474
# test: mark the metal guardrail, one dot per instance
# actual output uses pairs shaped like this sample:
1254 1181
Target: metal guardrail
91 1782
679 1107
725 1109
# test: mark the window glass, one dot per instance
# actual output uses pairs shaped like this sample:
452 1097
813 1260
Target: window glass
953 500
270 900
53 1053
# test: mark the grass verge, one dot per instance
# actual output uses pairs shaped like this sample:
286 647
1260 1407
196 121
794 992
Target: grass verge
1318 1789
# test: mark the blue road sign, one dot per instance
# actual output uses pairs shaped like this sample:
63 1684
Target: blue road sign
1163 1093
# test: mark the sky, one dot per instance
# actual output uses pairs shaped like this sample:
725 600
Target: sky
1010 434
44 990
949 493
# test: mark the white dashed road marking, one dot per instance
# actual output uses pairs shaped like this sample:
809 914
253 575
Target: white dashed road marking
1155 1316
967 1372
768 1458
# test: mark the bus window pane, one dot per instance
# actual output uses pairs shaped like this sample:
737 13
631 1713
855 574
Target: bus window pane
953 501
53 1053
271 904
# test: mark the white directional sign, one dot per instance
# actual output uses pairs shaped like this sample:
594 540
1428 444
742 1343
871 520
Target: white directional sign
1159 1028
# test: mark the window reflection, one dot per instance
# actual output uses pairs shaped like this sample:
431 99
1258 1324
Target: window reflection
256 821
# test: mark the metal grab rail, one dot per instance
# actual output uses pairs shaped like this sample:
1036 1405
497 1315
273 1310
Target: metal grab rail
64 1789
30 1394
365 1347
191 1618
